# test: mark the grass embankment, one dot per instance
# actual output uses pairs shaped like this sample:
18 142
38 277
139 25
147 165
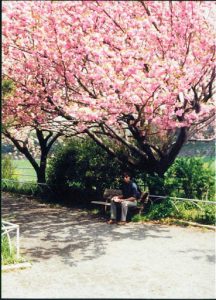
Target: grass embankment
23 178
24 170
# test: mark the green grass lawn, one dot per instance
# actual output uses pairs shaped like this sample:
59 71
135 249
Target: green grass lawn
24 170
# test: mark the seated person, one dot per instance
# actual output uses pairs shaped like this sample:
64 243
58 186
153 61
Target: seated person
129 197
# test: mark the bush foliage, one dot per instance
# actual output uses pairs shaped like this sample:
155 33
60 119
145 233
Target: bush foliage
82 170
190 178
8 170
201 213
187 178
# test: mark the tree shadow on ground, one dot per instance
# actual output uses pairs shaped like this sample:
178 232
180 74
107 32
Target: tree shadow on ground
200 254
72 235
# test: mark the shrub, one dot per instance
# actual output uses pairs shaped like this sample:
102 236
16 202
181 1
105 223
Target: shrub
8 173
186 178
203 213
162 210
81 170
8 170
190 178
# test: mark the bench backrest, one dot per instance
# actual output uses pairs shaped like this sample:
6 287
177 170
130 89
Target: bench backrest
144 197
109 193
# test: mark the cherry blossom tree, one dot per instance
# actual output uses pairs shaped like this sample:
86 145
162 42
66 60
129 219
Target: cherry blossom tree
136 76
20 134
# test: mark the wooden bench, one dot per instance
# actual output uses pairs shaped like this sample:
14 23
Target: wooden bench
109 193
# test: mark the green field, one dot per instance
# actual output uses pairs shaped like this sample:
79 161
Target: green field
24 170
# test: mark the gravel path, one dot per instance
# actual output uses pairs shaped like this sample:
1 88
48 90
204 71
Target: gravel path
75 255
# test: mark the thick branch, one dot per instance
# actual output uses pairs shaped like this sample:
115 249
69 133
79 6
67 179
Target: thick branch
167 161
188 49
109 150
126 143
52 141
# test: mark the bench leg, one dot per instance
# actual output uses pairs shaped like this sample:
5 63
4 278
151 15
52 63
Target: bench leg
118 212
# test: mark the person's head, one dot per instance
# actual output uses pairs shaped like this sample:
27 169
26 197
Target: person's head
127 177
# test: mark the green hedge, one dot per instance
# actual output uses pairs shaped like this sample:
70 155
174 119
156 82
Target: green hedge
81 170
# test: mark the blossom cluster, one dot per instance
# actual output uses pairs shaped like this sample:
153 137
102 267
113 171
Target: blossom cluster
96 61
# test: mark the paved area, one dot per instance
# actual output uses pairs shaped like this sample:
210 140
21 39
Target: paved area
75 255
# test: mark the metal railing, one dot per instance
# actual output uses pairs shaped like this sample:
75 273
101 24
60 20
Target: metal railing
184 199
6 229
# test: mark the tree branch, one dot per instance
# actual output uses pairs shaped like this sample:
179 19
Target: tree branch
149 14
111 18
123 159
169 158
125 142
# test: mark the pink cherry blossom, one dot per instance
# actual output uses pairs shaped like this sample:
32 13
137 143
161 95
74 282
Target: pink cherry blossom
115 58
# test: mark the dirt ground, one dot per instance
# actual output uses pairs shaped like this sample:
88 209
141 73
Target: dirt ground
77 255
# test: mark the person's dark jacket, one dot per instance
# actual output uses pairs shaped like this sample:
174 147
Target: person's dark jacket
130 190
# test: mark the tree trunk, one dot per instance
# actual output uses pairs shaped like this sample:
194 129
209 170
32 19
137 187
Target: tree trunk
45 146
41 176
41 172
